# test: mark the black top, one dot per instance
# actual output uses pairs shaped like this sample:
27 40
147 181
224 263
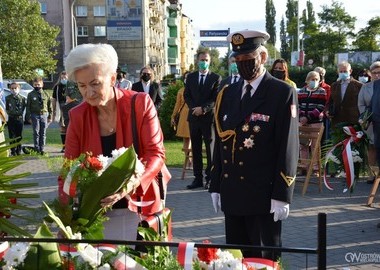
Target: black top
108 145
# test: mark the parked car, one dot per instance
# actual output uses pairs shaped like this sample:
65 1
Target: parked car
26 88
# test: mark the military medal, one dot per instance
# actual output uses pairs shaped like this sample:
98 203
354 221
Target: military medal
248 143
256 129
245 127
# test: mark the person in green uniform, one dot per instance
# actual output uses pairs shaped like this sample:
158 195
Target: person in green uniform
38 113
15 105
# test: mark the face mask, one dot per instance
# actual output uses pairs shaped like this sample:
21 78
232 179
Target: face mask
146 77
248 69
279 74
15 92
363 79
344 76
313 84
203 65
37 88
64 81
234 68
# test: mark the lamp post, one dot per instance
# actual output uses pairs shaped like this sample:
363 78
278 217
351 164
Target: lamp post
74 42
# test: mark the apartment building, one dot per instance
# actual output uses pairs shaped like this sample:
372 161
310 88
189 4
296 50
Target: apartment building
143 32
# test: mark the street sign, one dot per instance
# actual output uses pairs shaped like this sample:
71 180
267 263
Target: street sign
214 43
214 33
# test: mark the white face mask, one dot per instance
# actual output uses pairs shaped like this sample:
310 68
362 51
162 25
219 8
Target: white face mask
363 79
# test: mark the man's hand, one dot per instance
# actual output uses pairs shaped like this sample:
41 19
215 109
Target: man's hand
216 201
280 210
197 111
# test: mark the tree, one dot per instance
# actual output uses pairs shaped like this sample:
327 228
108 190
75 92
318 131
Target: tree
309 28
366 38
335 21
284 50
270 21
27 41
292 22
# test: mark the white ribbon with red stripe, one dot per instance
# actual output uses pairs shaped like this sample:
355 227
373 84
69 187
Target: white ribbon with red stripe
348 162
3 248
185 254
70 185
65 249
123 262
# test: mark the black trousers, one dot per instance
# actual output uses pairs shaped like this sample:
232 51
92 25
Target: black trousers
15 128
200 132
256 230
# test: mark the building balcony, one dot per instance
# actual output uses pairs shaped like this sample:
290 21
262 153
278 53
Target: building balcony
172 22
172 61
173 41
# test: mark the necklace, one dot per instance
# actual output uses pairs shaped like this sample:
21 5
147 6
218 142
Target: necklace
107 124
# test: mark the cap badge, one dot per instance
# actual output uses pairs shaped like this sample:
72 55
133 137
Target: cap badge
237 39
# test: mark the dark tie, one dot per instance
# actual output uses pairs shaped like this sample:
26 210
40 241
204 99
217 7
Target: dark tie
202 80
235 79
246 97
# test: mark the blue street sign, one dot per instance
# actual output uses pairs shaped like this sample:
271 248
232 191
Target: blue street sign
214 43
213 33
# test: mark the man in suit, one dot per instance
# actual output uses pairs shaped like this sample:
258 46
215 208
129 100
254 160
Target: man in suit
149 86
200 94
234 77
256 150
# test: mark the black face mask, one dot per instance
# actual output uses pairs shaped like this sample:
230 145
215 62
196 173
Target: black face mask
279 74
248 69
37 88
145 77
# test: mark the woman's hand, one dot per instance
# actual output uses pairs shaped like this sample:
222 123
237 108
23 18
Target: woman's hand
112 199
303 120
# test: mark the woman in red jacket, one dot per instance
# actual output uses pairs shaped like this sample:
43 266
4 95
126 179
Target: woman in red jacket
102 123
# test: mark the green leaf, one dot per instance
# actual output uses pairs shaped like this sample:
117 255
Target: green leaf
43 255
111 180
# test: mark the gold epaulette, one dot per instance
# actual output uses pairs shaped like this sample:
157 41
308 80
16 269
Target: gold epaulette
288 179
227 134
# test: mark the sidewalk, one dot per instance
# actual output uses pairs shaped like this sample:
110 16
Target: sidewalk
352 235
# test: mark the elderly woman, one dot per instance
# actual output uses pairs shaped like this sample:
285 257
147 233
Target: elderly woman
312 100
102 123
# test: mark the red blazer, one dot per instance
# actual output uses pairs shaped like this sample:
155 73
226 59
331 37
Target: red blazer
83 134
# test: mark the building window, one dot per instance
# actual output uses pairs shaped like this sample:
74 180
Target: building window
43 7
81 11
82 31
99 11
100 31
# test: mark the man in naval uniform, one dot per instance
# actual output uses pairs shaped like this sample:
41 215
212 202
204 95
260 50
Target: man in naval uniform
256 155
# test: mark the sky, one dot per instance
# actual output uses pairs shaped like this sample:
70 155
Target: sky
250 14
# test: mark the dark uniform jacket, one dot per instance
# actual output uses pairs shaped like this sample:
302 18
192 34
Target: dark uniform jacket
227 81
196 96
38 103
15 106
256 152
345 110
155 92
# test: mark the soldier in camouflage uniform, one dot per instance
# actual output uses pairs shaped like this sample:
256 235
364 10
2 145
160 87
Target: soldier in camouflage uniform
15 106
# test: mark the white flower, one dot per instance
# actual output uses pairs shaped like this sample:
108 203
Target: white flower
356 156
105 163
90 254
139 169
333 158
105 266
16 254
225 261
118 152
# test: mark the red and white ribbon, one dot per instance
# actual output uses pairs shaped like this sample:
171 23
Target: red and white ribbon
185 254
124 262
70 185
348 162
3 248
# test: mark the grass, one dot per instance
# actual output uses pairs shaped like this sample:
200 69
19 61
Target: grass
174 154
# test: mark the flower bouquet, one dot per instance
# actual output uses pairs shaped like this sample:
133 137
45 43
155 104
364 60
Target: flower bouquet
348 154
86 181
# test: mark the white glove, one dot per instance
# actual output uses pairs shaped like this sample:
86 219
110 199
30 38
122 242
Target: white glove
216 201
280 210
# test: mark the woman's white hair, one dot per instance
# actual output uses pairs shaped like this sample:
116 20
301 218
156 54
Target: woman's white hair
312 74
84 55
